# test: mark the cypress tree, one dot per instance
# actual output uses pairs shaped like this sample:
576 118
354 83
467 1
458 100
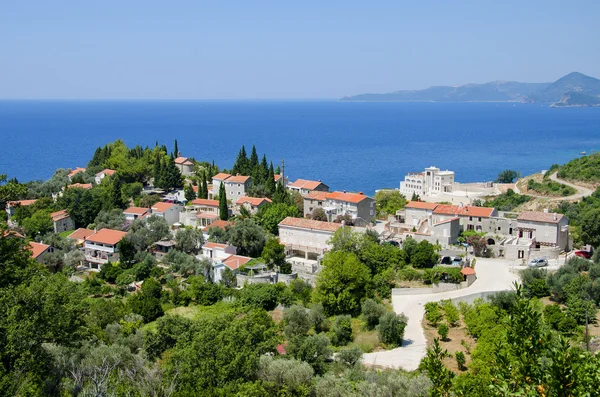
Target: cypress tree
176 149
241 163
270 182
264 168
223 211
253 158
204 186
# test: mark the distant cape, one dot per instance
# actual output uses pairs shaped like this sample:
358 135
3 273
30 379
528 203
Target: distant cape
574 89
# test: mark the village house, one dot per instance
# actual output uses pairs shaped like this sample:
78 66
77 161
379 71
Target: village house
550 229
217 253
284 181
431 182
359 207
101 247
161 248
185 166
133 213
39 251
74 172
80 235
236 186
218 224
216 184
62 221
232 262
102 174
306 241
313 200
11 206
199 213
305 187
168 211
252 204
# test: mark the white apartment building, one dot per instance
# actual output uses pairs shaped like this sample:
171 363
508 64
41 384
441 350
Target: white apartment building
101 247
430 182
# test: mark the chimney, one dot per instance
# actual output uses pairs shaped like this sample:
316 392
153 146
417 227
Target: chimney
344 191
555 216
361 193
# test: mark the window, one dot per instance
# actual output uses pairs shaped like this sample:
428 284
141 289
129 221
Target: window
479 219
470 218
499 228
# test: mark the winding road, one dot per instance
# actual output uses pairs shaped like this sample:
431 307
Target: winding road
581 191
492 275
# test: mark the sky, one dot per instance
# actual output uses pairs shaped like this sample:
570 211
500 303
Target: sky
285 50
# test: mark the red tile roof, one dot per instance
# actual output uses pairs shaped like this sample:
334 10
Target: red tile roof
59 215
347 197
195 188
305 184
467 271
183 161
446 209
205 215
12 233
76 171
161 206
276 177
253 201
206 203
24 203
534 216
421 205
107 172
236 261
80 186
237 179
446 221
317 195
303 223
482 212
106 236
136 210
221 176
211 245
80 234
37 249
220 224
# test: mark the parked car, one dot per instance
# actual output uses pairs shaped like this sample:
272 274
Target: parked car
446 260
584 254
457 261
538 262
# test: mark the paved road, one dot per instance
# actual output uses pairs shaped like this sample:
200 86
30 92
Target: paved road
492 275
581 191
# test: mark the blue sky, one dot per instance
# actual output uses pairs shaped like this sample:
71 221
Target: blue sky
280 49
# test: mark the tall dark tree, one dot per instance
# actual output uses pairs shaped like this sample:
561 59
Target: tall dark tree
223 211
253 158
204 186
176 149
241 163
270 182
116 195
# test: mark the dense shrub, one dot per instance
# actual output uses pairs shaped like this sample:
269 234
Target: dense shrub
371 312
342 330
391 328
443 331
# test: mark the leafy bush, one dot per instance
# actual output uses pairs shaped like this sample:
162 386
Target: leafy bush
372 312
550 188
349 355
263 296
342 330
443 331
296 320
451 312
409 274
433 314
507 201
391 328
460 360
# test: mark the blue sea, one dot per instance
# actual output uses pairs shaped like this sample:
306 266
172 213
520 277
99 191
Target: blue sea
352 146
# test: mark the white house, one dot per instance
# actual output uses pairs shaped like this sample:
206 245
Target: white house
167 211
102 174
252 204
431 182
233 262
133 213
359 207
101 247
550 229
11 206
185 165
212 250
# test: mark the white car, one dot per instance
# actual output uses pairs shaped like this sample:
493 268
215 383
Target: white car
538 262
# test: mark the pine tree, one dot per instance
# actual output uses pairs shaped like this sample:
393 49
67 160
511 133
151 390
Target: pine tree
189 192
223 211
204 186
173 179
116 196
176 149
264 168
158 173
241 163
270 182
253 158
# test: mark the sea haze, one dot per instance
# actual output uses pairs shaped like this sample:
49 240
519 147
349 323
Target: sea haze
352 146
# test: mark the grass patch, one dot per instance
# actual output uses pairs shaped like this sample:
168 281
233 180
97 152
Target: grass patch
65 234
368 341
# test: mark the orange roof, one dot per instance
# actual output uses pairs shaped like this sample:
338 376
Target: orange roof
37 249
76 171
183 160
221 176
195 188
310 224
220 224
348 197
421 205
80 234
317 195
12 233
237 179
59 215
205 202
106 171
20 202
212 245
467 271
162 206
136 210
253 201
80 186
305 184
446 209
106 236
447 220
236 261
482 212
535 216
276 177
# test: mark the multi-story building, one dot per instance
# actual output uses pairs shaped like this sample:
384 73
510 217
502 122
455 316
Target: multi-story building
101 247
252 204
133 213
236 186
305 187
431 182
168 211
62 221
359 207
545 228
313 200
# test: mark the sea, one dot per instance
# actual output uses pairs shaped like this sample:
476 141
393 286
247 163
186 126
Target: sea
354 146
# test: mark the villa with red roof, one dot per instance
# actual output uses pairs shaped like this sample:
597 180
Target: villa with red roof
359 206
199 213
133 213
101 247
185 165
305 187
236 186
167 211
252 204
74 172
62 221
11 206
313 200
102 174
39 251
80 235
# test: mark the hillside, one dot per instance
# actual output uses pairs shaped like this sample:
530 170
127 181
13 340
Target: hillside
574 89
584 169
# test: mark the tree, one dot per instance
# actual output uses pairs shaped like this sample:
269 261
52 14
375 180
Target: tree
313 349
291 375
248 237
110 219
296 320
372 312
39 223
342 330
126 251
223 210
189 240
10 191
270 182
342 283
260 296
424 255
388 202
204 186
189 193
204 292
507 176
460 360
146 303
271 215
241 165
176 149
433 313
318 214
433 366
273 253
345 240
228 278
391 328
443 331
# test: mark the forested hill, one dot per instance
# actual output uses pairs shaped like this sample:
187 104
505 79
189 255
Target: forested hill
574 89
585 169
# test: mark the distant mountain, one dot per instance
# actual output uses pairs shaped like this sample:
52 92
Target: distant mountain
582 90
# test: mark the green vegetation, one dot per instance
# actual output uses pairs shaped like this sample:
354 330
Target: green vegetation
550 188
584 168
584 219
507 176
507 201
388 202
